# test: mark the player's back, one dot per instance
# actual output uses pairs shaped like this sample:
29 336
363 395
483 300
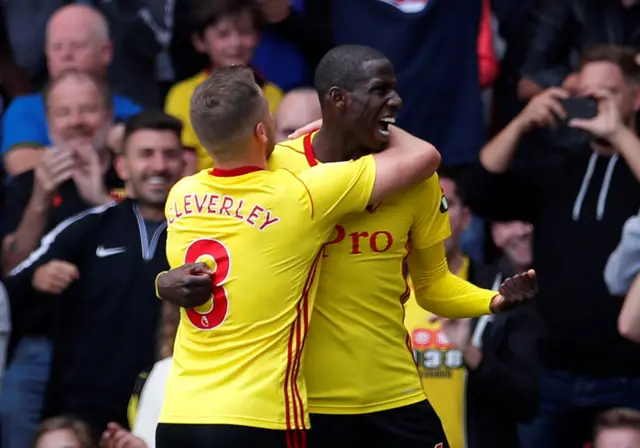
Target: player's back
237 358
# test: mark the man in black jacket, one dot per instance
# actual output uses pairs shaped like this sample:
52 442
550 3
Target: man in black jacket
98 269
578 199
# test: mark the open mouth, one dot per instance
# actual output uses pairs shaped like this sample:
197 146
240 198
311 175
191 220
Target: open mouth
383 125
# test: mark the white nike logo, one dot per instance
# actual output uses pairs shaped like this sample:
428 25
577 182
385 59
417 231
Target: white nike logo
101 252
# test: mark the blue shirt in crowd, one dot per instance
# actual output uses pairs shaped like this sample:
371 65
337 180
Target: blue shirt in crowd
25 120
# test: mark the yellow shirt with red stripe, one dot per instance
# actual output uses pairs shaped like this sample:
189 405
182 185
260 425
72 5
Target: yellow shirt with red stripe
237 358
177 105
440 365
358 357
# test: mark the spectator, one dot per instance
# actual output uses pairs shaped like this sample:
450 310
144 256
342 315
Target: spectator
71 178
67 432
568 195
472 368
563 29
67 181
97 269
621 275
77 38
148 393
227 32
298 108
617 428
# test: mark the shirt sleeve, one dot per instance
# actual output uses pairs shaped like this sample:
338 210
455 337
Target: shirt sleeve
17 198
336 189
442 293
431 215
20 126
624 263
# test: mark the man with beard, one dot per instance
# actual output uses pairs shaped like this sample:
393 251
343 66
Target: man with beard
362 384
73 177
93 275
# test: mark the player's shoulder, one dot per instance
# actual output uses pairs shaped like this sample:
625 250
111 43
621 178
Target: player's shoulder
290 155
426 188
190 184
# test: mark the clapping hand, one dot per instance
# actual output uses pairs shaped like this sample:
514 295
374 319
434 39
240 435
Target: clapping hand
88 176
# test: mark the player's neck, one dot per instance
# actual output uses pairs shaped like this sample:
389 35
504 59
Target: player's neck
333 146
250 159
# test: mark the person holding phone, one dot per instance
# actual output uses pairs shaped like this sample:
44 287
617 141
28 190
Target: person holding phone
577 199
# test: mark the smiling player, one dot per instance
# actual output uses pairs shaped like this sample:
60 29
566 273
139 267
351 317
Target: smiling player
362 383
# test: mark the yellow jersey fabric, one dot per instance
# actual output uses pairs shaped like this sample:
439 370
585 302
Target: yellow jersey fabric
238 358
440 365
177 104
358 357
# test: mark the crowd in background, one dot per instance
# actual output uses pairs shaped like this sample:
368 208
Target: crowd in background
95 111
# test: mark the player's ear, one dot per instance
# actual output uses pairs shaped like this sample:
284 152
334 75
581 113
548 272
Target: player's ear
261 132
338 98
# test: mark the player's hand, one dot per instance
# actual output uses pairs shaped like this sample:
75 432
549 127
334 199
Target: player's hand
515 291
607 122
55 168
115 436
54 277
314 126
544 109
188 286
458 331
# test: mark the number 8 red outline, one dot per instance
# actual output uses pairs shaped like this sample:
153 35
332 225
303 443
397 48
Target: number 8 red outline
219 301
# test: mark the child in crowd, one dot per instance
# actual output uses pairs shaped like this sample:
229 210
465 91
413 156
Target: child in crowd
227 32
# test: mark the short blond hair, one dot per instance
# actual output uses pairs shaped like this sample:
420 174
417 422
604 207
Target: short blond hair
225 110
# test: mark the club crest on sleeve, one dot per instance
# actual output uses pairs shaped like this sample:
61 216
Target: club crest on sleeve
444 205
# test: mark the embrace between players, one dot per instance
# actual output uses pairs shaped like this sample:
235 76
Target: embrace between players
254 249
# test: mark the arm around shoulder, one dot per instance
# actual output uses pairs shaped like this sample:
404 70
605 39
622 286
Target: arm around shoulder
407 161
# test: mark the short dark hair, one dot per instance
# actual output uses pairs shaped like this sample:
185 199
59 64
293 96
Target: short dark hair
617 418
623 57
101 85
455 175
150 119
205 13
342 67
225 109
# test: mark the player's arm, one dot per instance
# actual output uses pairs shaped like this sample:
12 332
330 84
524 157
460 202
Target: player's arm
407 161
439 291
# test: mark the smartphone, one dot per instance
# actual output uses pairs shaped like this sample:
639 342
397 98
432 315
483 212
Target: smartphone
580 107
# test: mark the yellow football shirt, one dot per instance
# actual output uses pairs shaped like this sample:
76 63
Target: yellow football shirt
440 365
177 105
237 359
358 357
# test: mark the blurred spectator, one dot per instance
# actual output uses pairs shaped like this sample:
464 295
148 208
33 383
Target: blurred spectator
563 29
298 108
70 178
228 33
472 368
577 198
77 38
5 329
63 432
146 401
299 31
141 31
617 428
96 270
13 81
